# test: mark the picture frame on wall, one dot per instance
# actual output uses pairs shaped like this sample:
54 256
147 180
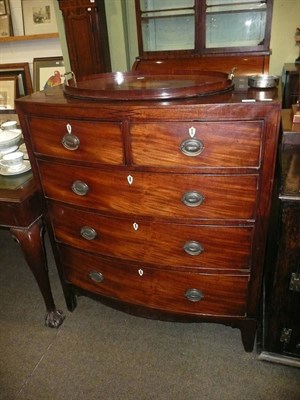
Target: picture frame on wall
22 72
3 10
4 7
39 17
4 26
48 72
8 92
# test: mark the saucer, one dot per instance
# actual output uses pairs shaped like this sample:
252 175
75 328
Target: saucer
8 150
25 167
23 148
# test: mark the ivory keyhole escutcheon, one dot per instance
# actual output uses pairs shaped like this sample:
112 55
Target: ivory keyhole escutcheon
69 128
192 131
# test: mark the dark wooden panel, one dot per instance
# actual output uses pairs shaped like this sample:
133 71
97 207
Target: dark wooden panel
245 64
86 35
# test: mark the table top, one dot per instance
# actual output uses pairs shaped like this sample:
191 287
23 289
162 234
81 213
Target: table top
16 187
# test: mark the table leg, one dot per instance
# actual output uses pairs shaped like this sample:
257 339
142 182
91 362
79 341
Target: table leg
32 244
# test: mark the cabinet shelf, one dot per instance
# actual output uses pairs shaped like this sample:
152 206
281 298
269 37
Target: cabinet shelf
29 37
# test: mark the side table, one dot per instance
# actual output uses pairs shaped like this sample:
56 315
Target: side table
20 211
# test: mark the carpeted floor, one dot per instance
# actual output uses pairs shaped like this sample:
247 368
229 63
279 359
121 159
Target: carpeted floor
100 353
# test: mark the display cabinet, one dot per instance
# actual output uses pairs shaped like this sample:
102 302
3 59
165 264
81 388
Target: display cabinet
86 35
204 29
279 337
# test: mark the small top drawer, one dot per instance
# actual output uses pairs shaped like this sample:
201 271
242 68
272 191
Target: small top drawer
98 142
199 144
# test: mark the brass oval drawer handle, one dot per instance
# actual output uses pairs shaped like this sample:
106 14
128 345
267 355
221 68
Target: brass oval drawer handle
80 188
96 277
192 147
70 141
193 248
192 199
88 233
194 295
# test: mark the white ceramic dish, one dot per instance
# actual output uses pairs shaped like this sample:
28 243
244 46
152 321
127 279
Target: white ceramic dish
6 171
9 139
9 125
8 150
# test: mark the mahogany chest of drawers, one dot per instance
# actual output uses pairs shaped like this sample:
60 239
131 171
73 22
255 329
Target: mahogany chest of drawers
160 208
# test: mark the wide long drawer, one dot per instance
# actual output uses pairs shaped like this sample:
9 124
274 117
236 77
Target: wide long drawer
197 144
173 245
175 291
97 142
152 194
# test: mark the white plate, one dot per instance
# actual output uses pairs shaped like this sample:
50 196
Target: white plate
25 167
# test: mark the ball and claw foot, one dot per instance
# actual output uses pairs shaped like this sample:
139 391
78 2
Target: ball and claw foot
54 319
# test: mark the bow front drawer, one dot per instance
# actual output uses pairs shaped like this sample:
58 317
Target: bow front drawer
152 194
96 142
177 245
175 291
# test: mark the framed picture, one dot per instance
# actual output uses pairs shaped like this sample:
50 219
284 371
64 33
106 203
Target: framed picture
3 10
39 17
5 25
47 72
7 6
22 72
8 85
4 7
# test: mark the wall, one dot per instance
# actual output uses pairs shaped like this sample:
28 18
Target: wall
115 15
286 18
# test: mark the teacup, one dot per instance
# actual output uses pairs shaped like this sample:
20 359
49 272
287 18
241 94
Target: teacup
13 162
9 125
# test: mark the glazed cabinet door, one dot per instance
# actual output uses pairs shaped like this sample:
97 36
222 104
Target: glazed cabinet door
202 26
86 34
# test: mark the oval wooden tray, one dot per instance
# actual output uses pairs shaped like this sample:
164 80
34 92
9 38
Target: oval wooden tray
139 86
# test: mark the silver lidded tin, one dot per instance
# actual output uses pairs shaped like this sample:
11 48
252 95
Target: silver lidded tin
263 81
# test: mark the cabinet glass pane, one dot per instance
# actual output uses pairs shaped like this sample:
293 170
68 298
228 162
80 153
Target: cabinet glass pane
235 23
168 24
147 5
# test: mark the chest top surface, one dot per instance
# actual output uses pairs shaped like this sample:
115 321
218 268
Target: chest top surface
239 100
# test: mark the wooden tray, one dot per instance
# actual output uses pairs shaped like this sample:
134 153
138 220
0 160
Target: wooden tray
139 86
